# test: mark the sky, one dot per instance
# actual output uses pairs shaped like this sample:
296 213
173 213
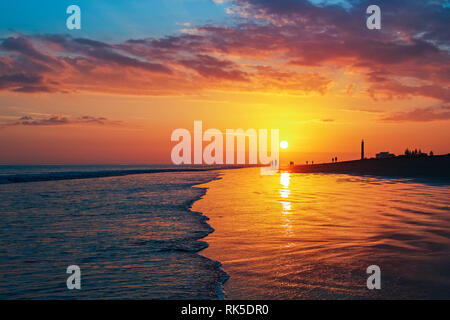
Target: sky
115 90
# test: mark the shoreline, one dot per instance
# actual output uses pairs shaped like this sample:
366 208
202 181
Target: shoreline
223 275
434 167
142 227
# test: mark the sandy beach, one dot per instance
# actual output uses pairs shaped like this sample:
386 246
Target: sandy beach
312 236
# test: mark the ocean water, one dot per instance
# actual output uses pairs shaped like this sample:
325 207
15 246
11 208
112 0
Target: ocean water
282 236
312 236
14 174
133 236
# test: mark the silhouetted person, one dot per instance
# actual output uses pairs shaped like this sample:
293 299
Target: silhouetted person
335 159
312 162
306 162
431 153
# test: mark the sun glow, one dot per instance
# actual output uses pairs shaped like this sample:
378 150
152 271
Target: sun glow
284 144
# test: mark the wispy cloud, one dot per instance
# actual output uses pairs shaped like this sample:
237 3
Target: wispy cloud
57 120
289 46
362 109
421 115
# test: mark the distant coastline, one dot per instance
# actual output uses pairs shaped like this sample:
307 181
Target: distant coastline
437 166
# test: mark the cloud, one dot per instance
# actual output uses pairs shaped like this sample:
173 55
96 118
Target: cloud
19 78
421 115
57 120
209 66
392 88
51 121
289 46
23 46
362 109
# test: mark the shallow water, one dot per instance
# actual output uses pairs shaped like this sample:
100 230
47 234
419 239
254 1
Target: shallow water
283 236
312 236
133 238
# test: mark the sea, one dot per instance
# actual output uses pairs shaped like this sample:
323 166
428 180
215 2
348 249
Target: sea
164 232
133 236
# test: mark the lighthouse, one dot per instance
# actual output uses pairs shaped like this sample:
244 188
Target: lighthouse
362 149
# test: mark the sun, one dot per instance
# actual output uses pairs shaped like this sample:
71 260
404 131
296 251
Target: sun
284 144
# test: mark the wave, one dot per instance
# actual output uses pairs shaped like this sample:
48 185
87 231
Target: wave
69 175
222 275
139 232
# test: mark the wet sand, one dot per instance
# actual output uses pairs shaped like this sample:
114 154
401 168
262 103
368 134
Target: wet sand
312 236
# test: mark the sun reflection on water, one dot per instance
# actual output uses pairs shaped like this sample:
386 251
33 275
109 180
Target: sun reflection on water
285 192
308 235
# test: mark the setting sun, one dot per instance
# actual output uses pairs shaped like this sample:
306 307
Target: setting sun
284 144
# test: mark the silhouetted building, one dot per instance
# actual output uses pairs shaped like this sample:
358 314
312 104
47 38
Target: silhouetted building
362 149
414 153
384 155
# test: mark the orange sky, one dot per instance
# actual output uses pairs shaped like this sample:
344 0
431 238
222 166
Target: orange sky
78 100
316 127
